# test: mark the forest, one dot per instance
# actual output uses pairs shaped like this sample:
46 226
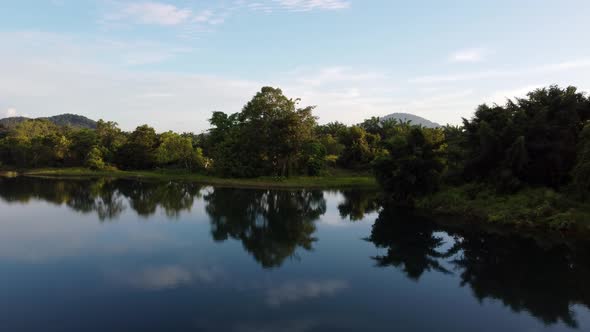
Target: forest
541 142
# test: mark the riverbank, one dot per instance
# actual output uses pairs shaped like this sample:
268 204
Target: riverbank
540 208
340 179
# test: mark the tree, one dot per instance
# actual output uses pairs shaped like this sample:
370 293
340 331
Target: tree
176 150
531 140
139 150
313 158
265 138
82 141
110 138
581 171
412 166
356 153
94 159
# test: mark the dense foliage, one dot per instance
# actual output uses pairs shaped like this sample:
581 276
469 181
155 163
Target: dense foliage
539 141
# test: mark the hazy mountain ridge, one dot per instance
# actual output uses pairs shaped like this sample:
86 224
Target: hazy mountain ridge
417 120
73 120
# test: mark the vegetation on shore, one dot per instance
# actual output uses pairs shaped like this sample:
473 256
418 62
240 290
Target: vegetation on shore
339 178
526 162
542 208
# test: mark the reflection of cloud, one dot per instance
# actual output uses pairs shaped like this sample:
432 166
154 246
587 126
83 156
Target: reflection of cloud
281 326
164 277
299 291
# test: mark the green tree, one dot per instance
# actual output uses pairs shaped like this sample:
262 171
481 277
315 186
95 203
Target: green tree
265 138
139 150
178 151
110 138
412 167
82 141
357 152
531 140
94 159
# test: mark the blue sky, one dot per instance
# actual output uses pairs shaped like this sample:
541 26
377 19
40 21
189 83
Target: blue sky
171 63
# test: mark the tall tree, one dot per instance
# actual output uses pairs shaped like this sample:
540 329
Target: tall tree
139 150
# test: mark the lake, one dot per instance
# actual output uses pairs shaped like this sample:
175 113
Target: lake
123 255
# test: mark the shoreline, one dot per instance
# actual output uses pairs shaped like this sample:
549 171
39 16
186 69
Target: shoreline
529 211
297 182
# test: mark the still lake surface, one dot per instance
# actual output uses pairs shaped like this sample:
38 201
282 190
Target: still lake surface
121 255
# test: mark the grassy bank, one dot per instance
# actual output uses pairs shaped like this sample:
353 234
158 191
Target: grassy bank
534 207
339 178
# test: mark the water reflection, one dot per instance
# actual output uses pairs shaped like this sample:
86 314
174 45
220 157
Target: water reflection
145 197
270 224
357 203
105 197
543 276
411 243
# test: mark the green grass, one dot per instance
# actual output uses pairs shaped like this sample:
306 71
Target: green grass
342 179
532 207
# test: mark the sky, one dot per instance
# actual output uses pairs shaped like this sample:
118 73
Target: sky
170 63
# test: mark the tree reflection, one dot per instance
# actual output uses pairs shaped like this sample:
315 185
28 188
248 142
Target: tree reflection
105 197
173 197
357 203
270 224
542 277
410 243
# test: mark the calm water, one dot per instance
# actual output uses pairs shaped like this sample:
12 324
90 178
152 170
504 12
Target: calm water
152 256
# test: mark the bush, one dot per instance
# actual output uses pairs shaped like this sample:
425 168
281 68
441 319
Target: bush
94 159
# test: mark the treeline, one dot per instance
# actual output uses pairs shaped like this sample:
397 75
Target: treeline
40 143
271 136
540 140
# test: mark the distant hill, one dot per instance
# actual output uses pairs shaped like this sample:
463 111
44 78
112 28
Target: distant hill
72 120
417 120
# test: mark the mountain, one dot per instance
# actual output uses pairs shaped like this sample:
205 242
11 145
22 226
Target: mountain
72 120
416 120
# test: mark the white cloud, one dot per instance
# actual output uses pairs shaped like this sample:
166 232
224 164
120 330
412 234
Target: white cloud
307 5
10 112
566 65
489 74
269 6
209 17
48 74
191 20
469 55
336 74
155 13
500 97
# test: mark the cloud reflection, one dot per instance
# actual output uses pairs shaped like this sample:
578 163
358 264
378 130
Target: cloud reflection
290 292
166 277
